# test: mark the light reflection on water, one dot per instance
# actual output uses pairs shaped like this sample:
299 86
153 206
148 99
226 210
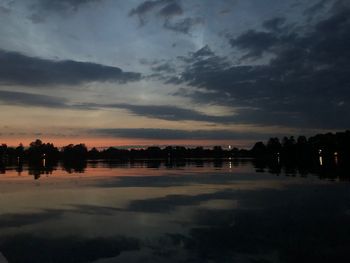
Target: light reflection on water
104 168
156 211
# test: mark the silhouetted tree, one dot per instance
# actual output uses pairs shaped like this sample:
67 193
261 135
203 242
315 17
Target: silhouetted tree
93 154
259 150
273 147
154 152
72 152
19 151
302 151
3 150
38 150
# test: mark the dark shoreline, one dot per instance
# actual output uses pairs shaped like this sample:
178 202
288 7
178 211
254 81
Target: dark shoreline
322 149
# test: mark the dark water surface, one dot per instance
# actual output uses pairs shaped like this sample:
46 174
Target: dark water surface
195 211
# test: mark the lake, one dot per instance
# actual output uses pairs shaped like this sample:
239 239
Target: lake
189 211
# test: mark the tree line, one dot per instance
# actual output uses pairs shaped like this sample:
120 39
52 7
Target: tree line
38 150
301 149
328 146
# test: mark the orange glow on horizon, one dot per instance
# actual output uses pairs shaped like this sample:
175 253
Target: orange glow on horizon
122 142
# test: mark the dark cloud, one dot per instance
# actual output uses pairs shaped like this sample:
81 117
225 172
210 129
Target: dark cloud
274 24
183 26
162 6
29 99
44 8
18 69
61 5
170 134
172 113
204 60
148 6
315 8
225 11
170 10
167 10
144 61
304 81
4 10
163 112
164 67
256 43
203 52
36 18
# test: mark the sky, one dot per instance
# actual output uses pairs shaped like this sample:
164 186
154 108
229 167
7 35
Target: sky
160 72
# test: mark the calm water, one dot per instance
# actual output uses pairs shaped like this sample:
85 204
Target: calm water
172 212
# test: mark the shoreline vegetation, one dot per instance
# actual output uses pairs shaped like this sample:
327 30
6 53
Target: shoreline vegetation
330 146
326 155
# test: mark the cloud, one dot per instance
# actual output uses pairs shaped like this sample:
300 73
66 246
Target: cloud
316 8
205 56
256 43
203 52
244 115
167 10
18 69
163 6
29 99
36 18
4 10
147 6
166 112
171 134
61 5
184 25
164 67
170 10
302 78
41 9
274 24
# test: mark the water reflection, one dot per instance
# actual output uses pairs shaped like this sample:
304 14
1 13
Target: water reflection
336 159
321 160
188 211
330 169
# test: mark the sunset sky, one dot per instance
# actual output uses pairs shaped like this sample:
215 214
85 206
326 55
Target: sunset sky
192 72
